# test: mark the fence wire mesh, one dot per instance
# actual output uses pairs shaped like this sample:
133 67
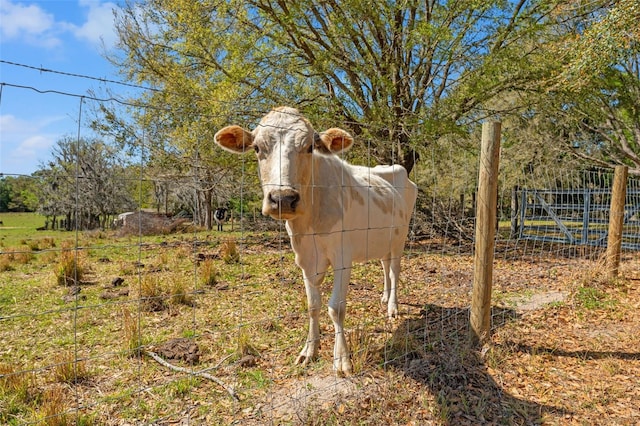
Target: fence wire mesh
160 321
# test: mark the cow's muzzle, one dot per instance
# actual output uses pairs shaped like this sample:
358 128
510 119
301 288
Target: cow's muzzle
281 204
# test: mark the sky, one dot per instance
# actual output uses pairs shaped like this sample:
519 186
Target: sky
68 36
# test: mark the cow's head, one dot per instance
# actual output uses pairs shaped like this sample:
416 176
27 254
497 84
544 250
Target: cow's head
285 144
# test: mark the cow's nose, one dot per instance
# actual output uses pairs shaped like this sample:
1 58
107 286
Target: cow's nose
285 200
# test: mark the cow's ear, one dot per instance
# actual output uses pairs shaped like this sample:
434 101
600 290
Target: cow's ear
234 139
336 140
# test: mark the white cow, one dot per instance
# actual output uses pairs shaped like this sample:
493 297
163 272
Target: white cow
336 213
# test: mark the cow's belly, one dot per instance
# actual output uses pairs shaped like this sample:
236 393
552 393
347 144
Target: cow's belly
374 243
349 242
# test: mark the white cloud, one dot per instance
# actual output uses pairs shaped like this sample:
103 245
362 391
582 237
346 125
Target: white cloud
23 143
99 25
33 146
30 23
9 124
13 126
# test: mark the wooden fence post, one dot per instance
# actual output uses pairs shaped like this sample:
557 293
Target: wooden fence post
515 212
486 213
616 220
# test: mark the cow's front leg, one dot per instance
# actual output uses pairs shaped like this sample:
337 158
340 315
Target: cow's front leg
310 350
337 310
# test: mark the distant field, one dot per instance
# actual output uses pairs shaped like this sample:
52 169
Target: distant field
18 228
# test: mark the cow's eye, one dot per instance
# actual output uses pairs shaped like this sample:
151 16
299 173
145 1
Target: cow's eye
256 148
310 149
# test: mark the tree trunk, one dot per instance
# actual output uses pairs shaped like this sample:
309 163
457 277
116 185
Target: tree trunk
208 214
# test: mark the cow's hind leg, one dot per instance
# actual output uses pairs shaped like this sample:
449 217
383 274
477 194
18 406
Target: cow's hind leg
387 285
310 350
391 268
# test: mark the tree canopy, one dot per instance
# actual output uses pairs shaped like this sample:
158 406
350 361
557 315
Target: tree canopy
402 76
406 77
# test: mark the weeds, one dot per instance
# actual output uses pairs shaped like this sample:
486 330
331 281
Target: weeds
244 345
6 262
361 346
69 270
209 273
68 369
19 384
182 387
229 252
14 255
152 296
53 410
131 331
178 294
404 343
18 393
23 257
592 298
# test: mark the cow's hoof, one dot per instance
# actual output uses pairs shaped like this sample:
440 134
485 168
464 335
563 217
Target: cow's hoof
307 354
392 312
303 360
342 367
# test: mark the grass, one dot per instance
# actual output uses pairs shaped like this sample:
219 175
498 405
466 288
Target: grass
67 369
255 305
69 269
18 228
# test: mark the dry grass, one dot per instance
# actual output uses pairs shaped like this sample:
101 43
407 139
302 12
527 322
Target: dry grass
6 260
12 257
53 410
131 333
209 273
69 270
152 294
178 294
19 384
68 369
570 362
229 251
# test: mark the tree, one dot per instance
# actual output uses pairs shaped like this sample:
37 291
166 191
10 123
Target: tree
612 34
5 195
18 194
400 77
603 122
84 183
592 101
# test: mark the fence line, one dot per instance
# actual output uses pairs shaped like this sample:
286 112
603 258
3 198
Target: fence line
237 317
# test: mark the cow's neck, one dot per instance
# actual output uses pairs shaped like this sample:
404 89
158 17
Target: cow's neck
325 201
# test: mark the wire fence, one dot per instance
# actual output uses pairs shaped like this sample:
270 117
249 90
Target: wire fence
162 322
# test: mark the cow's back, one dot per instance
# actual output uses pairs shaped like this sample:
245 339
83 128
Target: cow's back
358 210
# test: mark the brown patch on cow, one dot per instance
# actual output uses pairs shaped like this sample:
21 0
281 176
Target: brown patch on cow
356 196
379 197
380 203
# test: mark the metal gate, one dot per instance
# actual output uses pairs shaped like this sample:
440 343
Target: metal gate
577 216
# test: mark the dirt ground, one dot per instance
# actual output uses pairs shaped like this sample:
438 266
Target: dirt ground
564 346
563 351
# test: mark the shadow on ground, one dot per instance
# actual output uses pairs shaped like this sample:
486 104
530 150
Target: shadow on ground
433 349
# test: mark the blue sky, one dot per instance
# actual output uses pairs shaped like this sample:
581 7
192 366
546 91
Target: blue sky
70 36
